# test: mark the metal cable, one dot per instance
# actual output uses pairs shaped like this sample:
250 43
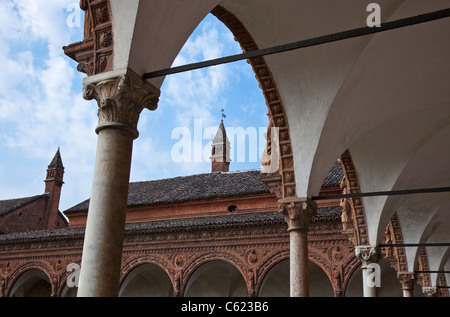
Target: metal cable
305 43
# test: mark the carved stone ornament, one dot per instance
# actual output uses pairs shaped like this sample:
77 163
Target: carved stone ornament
367 254
121 100
297 212
429 291
407 279
95 54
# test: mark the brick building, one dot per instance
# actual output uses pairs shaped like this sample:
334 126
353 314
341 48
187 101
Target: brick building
212 234
375 103
36 212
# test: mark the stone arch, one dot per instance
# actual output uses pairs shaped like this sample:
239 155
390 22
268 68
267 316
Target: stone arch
138 264
278 271
324 265
146 279
349 270
64 290
357 231
390 285
230 260
284 185
38 271
393 235
268 264
96 54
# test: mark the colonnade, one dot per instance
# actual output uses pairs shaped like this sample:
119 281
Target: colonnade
121 99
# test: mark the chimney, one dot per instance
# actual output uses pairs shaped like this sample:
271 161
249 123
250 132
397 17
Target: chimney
53 184
220 156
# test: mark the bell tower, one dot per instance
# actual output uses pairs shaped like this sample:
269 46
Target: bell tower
53 184
220 155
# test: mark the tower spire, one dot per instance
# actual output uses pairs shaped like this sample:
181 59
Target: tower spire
220 156
55 170
53 184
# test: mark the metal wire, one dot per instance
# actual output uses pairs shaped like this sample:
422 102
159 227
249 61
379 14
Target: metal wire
431 271
384 193
305 43
398 245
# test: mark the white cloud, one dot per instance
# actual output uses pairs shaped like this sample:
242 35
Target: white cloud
46 20
40 109
198 94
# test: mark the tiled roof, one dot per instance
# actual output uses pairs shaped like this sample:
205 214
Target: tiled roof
201 186
191 188
174 225
334 177
12 204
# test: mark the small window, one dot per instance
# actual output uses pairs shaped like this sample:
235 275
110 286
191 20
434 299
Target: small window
232 208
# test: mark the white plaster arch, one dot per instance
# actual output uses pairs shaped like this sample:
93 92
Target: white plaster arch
148 280
217 278
423 164
437 232
446 267
276 282
27 285
406 153
308 79
398 73
322 87
148 34
354 94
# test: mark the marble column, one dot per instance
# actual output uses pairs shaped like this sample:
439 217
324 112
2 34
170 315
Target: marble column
298 214
369 256
407 279
120 100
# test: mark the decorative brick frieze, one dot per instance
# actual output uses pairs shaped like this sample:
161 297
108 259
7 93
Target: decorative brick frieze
356 219
95 53
253 248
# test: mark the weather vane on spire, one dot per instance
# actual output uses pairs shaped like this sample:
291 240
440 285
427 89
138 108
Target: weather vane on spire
223 114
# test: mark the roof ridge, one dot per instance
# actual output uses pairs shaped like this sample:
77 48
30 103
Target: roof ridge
20 202
20 198
196 175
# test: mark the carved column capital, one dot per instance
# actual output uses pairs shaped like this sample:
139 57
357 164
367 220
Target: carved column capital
367 254
121 100
407 279
429 291
297 213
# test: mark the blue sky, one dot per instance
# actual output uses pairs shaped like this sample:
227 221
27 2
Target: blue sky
41 106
